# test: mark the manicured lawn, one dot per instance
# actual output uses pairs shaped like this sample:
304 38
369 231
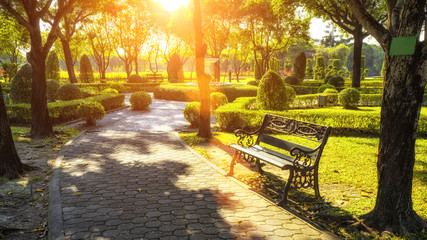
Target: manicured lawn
62 135
348 177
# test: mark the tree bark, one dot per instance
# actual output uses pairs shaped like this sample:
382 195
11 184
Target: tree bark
405 81
357 56
41 125
69 60
217 71
10 163
202 78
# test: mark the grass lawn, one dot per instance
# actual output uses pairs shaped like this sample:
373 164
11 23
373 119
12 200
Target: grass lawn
61 136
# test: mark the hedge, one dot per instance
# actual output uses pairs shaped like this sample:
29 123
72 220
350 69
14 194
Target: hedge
181 92
235 115
65 111
130 87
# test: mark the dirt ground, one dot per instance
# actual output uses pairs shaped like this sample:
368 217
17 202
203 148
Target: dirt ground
24 201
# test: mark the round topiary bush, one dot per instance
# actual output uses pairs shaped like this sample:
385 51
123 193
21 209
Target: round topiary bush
291 94
110 90
20 90
217 100
91 111
253 83
292 80
322 88
271 93
337 81
140 100
137 79
68 92
349 98
52 87
89 91
192 113
332 95
118 86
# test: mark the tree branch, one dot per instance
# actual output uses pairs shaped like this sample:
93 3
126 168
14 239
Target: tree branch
15 14
378 31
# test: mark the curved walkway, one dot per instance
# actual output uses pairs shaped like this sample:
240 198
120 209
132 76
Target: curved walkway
132 178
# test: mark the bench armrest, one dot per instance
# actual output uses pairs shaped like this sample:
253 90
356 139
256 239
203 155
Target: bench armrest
246 139
303 159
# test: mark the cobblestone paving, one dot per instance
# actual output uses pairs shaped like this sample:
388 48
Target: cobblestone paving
142 185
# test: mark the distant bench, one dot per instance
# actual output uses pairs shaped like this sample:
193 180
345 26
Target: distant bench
301 161
155 77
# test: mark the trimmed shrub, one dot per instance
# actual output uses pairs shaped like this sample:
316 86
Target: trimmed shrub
253 83
91 111
137 79
332 95
319 69
291 94
20 90
52 66
52 87
272 92
349 98
118 86
337 81
299 67
175 71
217 100
86 71
322 88
192 113
89 91
68 92
9 70
140 100
292 80
110 90
258 69
309 68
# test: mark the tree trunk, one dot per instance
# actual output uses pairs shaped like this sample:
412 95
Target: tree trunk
41 125
69 61
10 163
136 66
357 56
217 71
202 78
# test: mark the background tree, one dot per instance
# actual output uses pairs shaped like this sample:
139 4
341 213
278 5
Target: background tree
10 163
29 14
175 71
340 14
239 48
52 66
14 38
202 78
86 71
299 67
405 80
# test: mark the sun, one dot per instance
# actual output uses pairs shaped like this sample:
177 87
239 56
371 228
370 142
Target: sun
172 5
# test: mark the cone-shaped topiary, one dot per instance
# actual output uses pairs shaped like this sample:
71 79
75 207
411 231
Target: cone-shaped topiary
299 67
52 66
20 91
86 71
272 92
175 71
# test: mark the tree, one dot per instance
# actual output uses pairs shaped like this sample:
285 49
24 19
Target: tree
239 48
14 38
33 12
10 163
299 66
273 27
405 81
340 14
101 41
86 71
52 66
202 78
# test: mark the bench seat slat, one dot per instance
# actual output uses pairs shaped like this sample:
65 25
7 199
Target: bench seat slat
276 159
280 143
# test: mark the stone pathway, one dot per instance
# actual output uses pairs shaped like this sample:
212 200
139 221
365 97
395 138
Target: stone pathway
132 178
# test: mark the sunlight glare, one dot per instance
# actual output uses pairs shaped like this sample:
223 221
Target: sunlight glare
172 5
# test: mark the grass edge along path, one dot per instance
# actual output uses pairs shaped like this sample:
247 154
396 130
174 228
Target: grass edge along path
347 177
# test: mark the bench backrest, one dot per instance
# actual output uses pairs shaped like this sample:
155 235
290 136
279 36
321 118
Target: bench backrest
273 124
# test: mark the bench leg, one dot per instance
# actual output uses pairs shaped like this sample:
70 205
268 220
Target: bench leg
316 183
284 199
258 166
233 162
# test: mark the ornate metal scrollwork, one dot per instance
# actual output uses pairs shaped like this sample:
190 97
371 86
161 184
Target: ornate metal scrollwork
245 138
302 160
291 126
303 179
248 158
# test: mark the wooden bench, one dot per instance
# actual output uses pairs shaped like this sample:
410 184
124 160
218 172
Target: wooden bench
155 77
301 161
